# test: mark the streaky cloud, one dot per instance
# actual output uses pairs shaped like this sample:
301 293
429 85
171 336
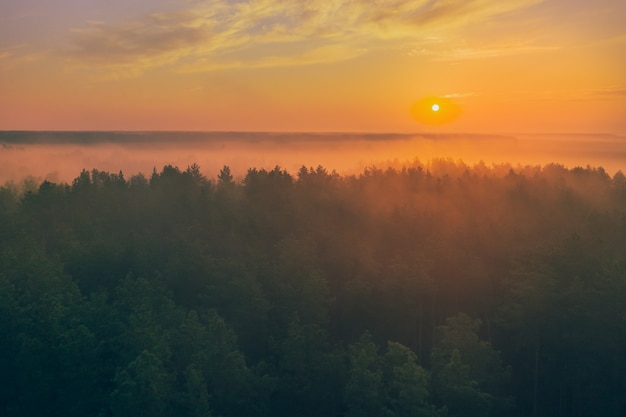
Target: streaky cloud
210 30
464 53
617 91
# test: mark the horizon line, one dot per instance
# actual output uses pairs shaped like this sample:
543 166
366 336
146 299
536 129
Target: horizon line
320 132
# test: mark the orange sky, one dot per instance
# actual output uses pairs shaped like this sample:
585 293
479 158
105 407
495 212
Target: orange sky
320 65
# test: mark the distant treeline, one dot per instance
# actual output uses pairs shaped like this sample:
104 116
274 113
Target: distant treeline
159 138
441 290
130 138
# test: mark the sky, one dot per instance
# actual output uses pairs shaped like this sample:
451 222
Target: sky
492 66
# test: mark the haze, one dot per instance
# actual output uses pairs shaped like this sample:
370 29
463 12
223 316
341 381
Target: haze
60 156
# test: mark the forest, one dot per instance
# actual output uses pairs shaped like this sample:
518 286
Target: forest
436 289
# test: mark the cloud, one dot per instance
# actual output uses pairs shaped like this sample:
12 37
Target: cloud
322 55
615 91
464 52
459 95
11 52
14 57
152 36
264 32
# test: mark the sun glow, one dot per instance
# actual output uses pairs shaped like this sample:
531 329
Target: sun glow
435 110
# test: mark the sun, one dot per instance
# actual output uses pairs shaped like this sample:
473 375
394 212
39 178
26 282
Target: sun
435 110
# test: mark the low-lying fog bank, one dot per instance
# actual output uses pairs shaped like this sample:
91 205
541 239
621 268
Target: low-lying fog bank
60 156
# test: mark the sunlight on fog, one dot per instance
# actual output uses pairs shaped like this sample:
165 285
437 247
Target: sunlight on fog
62 160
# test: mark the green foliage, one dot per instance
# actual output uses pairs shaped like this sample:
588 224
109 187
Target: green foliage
315 295
141 388
365 392
311 373
392 384
468 374
407 383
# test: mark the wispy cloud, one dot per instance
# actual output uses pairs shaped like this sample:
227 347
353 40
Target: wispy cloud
11 51
13 57
463 53
459 95
264 32
321 55
615 91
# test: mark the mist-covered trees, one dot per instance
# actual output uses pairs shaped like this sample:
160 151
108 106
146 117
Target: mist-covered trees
435 290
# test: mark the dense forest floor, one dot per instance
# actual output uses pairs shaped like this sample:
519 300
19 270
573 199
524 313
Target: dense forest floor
437 290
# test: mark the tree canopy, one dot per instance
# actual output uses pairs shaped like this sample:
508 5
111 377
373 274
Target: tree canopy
433 290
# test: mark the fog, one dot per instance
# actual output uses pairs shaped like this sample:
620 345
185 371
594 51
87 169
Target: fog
60 156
